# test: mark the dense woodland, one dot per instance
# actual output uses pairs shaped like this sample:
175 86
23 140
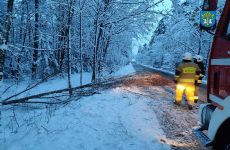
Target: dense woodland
40 39
176 35
47 37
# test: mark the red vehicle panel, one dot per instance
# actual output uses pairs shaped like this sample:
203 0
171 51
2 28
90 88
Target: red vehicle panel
219 69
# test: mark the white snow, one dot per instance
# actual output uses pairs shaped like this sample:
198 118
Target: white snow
125 70
113 120
57 83
204 82
181 2
54 84
3 46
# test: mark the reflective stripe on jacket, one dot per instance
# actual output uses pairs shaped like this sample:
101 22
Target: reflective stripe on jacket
187 72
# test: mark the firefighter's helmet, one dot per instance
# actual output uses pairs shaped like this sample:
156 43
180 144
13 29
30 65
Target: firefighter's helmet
198 58
187 56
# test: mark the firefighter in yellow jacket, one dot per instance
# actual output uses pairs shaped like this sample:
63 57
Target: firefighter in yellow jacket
186 76
199 61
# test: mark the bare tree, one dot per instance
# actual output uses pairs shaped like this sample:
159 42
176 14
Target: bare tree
81 5
70 14
36 43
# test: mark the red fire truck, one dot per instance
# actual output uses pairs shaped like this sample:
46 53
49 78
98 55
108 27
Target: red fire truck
215 115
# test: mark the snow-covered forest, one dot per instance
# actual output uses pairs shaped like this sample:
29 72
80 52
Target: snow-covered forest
177 34
72 36
68 82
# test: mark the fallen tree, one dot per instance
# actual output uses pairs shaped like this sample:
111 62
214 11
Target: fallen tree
147 79
94 87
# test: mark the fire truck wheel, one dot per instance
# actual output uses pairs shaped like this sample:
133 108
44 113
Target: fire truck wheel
228 147
221 146
222 141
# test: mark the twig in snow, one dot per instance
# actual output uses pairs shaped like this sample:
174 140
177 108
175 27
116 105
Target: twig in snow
27 89
46 130
8 88
15 117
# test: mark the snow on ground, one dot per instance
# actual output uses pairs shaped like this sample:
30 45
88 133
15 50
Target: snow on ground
56 83
204 82
125 70
113 120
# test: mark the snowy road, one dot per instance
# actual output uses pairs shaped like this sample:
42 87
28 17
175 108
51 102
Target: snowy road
145 70
135 114
177 122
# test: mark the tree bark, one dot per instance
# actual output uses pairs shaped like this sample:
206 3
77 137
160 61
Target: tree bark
70 16
95 52
81 63
69 53
35 54
11 56
61 49
23 43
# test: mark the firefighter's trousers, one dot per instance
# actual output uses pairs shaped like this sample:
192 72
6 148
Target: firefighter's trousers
196 92
189 92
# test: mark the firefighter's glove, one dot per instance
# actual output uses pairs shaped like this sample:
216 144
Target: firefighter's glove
196 83
175 81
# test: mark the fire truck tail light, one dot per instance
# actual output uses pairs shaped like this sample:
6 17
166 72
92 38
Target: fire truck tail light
220 107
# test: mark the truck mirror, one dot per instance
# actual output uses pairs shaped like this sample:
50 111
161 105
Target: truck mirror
206 5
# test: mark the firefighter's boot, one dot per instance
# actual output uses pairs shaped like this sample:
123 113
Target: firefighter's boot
190 107
177 103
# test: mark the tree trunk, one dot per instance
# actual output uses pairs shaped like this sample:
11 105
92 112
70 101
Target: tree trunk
35 55
69 61
95 52
68 47
11 56
23 45
61 53
81 63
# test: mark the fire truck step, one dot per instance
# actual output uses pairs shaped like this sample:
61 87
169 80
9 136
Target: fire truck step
202 137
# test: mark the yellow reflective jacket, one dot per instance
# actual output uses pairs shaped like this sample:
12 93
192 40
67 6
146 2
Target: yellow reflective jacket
187 72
